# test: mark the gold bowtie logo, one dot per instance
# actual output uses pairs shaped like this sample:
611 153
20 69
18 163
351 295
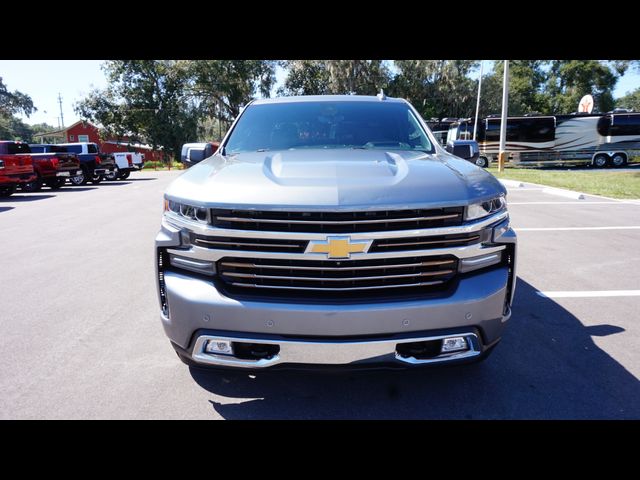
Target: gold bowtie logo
339 247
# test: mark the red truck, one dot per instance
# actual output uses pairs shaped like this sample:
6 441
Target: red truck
53 167
16 166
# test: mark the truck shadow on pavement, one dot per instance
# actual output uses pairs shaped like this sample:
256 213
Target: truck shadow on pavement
22 197
546 367
6 209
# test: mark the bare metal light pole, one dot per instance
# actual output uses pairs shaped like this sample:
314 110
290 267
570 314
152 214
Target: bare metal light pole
475 125
503 119
60 102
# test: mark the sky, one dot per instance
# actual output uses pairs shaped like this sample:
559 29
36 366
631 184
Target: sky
43 80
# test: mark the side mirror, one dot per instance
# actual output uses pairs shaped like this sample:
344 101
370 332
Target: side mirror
466 149
196 155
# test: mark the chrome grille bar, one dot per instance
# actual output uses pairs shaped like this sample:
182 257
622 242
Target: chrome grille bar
337 222
337 279
331 289
337 269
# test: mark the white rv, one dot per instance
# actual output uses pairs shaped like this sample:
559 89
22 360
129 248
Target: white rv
601 140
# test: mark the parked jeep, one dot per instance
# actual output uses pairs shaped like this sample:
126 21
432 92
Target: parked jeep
94 165
16 166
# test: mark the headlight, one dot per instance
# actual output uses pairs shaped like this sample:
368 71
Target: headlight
480 210
189 212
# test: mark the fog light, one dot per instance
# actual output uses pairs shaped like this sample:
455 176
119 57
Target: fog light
453 344
220 347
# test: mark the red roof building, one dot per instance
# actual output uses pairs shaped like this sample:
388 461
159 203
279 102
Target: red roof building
82 131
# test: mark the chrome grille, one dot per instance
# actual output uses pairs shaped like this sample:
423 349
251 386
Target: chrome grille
334 277
427 242
336 222
249 244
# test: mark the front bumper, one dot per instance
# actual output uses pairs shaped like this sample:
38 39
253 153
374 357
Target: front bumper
347 333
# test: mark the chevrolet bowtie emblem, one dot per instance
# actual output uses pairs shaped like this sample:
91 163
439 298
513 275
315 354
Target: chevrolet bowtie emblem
339 247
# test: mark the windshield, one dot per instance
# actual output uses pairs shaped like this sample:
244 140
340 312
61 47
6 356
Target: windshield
340 124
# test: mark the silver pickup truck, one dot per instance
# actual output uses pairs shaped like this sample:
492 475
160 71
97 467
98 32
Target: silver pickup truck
334 231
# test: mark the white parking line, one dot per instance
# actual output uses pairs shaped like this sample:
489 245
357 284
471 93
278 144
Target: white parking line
561 229
582 204
590 293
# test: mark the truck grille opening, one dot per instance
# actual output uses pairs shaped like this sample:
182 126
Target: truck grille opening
335 278
425 243
337 222
249 244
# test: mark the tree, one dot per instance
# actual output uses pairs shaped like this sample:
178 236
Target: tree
146 100
337 77
305 77
526 86
630 100
12 104
224 86
569 80
359 77
437 88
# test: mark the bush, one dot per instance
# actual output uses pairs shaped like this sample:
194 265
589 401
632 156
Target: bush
162 165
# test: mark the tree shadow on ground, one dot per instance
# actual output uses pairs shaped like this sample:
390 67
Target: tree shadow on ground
546 367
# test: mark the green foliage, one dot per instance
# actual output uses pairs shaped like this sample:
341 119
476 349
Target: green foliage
147 101
630 100
222 87
12 128
305 77
337 77
437 88
569 80
12 103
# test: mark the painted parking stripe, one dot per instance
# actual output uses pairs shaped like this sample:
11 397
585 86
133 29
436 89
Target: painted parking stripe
568 229
590 293
581 204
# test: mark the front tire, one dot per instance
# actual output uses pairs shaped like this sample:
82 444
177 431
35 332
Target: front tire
55 184
124 175
33 186
97 179
7 191
619 160
81 179
113 175
482 162
601 160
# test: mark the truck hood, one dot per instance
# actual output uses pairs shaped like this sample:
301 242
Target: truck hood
334 178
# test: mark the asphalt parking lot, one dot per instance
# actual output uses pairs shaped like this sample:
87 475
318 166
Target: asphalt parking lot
80 335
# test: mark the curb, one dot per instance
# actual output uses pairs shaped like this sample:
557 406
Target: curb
563 193
511 183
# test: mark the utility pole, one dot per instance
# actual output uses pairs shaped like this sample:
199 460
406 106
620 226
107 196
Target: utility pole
503 119
60 102
475 125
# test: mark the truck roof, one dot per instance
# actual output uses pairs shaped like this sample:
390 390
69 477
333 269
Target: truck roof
327 98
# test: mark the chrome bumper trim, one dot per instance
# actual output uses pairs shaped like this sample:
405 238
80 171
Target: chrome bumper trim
332 352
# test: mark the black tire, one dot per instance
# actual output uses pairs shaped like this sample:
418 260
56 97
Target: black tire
601 160
97 179
7 190
33 186
113 174
619 160
482 162
81 179
55 184
124 175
